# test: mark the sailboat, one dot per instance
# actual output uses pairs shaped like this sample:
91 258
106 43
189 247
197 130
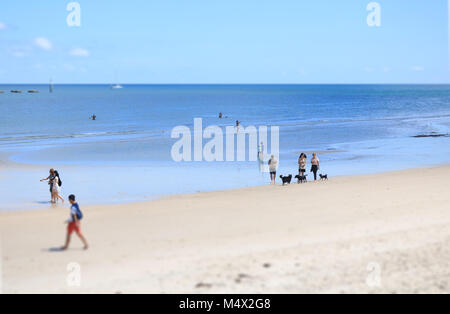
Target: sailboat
50 87
116 86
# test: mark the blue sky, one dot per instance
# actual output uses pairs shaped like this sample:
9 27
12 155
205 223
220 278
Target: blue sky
227 41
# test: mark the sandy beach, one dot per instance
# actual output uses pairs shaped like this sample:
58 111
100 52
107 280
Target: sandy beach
385 233
160 127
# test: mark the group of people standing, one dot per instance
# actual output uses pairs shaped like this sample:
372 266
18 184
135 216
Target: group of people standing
55 183
302 163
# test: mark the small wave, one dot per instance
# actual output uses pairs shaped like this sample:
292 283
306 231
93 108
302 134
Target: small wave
30 138
326 121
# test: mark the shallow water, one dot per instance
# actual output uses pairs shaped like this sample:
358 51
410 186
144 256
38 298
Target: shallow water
125 155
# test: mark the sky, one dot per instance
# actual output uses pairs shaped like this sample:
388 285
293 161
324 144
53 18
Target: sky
224 42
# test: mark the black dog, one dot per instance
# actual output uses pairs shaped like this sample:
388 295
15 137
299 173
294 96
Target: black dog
286 180
323 177
301 179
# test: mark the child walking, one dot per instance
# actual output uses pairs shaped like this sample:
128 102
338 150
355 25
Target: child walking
74 223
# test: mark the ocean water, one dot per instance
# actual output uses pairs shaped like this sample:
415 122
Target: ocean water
124 156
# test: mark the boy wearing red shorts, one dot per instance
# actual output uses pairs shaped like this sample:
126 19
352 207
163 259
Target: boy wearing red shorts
74 223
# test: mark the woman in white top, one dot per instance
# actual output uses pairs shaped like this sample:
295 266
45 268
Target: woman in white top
56 189
273 167
303 159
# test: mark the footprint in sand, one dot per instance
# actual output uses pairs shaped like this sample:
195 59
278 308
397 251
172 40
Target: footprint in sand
242 277
203 285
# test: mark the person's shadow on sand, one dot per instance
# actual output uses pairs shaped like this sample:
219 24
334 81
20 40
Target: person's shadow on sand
53 250
60 250
43 202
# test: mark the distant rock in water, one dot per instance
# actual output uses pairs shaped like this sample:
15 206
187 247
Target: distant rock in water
433 134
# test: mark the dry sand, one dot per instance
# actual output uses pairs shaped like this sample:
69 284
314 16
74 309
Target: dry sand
385 233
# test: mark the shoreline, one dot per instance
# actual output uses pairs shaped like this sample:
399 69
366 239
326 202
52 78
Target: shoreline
13 165
6 164
320 237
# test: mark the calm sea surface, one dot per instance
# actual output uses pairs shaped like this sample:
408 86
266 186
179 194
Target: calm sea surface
125 155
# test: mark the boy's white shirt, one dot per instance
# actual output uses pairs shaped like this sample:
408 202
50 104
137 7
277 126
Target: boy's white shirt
73 212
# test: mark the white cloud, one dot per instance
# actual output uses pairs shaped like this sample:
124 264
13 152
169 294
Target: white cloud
38 66
376 69
19 53
43 43
71 68
418 68
2 26
80 52
68 67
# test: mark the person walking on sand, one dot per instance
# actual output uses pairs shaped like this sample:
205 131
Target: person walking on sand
74 224
315 165
51 180
273 167
303 159
57 188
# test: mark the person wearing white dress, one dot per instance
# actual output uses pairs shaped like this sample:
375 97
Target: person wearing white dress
56 190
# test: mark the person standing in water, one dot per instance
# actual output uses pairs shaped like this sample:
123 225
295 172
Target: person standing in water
273 167
261 151
315 165
51 182
56 189
302 161
261 157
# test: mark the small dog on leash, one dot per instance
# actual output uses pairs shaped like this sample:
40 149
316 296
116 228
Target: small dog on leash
286 180
301 179
323 177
